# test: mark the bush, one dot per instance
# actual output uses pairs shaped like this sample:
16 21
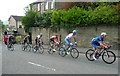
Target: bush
104 14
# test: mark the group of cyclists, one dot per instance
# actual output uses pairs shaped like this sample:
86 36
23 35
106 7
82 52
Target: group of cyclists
97 42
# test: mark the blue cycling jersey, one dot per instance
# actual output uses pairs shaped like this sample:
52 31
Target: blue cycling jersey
98 39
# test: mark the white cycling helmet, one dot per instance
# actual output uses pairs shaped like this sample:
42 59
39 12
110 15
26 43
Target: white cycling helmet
103 34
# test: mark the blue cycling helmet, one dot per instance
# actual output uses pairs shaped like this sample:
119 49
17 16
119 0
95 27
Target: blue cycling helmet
74 31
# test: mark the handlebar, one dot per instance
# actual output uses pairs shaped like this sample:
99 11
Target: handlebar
74 44
107 48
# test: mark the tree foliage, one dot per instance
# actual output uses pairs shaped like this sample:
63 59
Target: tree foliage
29 19
82 14
104 14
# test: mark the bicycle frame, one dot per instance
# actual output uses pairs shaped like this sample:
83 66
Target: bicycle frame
71 46
103 50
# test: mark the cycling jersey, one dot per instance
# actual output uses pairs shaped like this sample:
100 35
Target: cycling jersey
96 41
5 38
11 39
26 39
53 38
38 39
69 36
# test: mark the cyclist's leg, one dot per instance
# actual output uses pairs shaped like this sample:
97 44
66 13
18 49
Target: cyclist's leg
25 42
10 43
97 48
54 46
35 41
68 45
5 42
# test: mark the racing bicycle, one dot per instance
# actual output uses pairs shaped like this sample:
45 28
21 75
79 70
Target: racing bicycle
26 47
73 51
38 48
107 56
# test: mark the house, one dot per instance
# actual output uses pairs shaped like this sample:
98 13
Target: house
41 6
44 5
15 22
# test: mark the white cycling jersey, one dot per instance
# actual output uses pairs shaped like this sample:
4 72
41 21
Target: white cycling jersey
69 36
38 37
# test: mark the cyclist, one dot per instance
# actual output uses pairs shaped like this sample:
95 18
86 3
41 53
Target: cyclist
98 43
54 41
67 40
11 39
26 39
5 39
38 39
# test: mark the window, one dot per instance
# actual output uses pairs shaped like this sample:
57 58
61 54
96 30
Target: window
20 26
52 4
38 7
46 6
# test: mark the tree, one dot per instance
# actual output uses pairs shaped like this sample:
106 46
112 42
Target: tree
47 15
1 24
29 20
104 14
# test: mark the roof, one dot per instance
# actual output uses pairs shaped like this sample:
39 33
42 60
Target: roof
17 18
38 1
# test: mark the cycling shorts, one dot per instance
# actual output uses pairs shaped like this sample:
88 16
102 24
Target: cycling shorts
67 41
95 44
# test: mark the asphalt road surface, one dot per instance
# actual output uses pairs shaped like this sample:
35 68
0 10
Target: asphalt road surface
24 62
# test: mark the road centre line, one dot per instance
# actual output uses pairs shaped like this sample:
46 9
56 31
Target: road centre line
42 66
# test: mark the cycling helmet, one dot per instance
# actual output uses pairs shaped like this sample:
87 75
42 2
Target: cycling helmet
103 34
74 31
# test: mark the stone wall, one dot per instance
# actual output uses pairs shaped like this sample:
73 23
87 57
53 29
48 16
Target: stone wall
84 35
1 36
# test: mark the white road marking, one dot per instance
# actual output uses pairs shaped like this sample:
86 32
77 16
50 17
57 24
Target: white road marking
42 66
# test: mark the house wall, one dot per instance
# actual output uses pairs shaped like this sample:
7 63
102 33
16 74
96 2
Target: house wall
41 7
12 22
19 23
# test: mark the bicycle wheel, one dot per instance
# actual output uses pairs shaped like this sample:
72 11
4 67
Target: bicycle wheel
8 47
74 53
23 48
109 57
41 49
11 48
62 52
35 48
50 50
89 54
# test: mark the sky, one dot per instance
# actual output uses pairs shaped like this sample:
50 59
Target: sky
12 7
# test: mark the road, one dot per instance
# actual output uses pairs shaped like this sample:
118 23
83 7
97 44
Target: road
24 62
